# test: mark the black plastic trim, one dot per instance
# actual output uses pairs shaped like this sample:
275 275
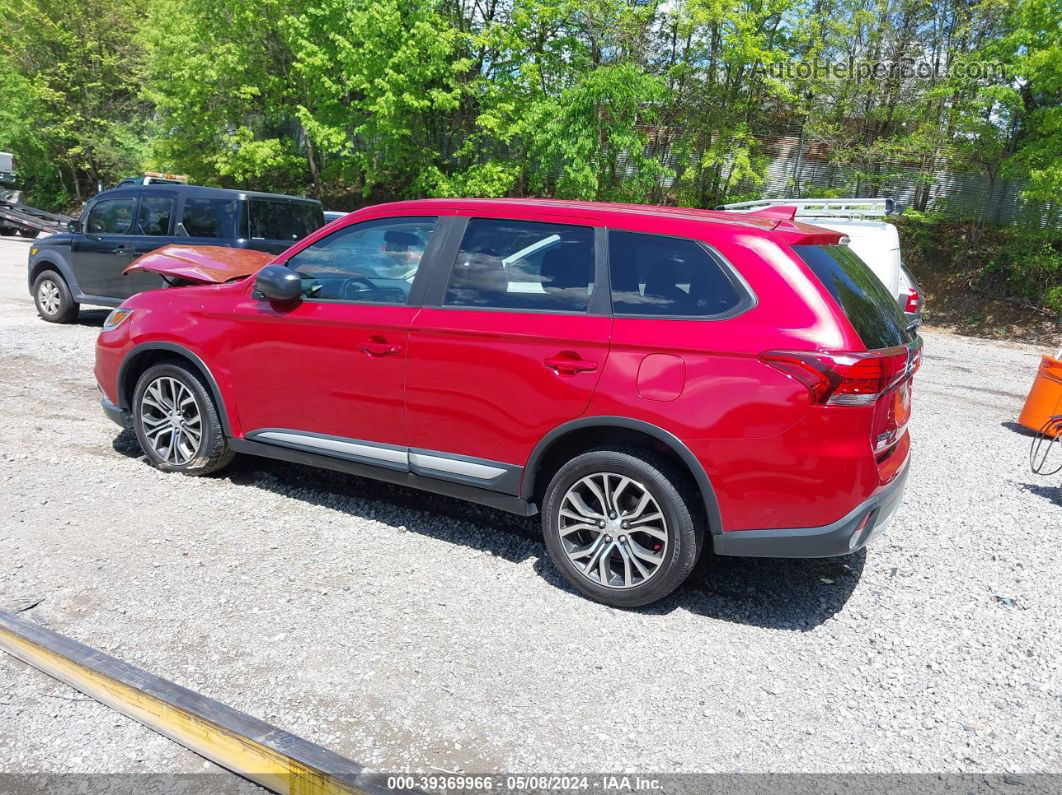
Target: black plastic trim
704 485
508 482
451 232
480 496
98 300
115 414
817 542
125 395
257 436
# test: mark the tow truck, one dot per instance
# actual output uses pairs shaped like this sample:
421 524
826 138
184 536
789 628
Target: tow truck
20 219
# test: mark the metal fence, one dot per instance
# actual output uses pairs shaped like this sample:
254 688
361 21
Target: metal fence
798 167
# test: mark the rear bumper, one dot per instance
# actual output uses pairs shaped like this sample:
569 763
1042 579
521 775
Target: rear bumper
848 534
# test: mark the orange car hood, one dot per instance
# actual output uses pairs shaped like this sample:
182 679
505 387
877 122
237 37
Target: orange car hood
203 264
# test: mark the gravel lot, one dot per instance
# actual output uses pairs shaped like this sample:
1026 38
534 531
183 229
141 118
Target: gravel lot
409 631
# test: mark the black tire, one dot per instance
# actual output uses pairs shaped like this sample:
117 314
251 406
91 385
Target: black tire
676 500
65 311
6 231
29 234
212 451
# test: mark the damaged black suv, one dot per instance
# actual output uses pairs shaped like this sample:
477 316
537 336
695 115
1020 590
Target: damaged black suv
86 264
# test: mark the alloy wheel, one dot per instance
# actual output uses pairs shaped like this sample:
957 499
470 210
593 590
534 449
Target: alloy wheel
612 530
172 421
48 296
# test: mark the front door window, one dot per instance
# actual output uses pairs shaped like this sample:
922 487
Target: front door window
372 262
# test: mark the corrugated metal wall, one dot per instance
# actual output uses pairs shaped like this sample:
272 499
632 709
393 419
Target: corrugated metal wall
797 167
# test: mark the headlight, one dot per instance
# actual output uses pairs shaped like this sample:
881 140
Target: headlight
116 318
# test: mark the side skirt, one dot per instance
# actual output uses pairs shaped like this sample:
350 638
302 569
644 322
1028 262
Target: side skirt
492 499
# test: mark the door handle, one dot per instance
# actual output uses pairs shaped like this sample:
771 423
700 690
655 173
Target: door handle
569 364
378 346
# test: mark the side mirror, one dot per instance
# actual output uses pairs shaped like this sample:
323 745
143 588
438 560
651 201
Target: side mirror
74 227
278 283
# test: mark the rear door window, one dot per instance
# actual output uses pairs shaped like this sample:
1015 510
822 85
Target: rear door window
154 216
111 217
517 265
275 219
210 217
667 276
870 307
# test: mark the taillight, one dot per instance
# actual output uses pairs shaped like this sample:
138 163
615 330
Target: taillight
844 379
912 301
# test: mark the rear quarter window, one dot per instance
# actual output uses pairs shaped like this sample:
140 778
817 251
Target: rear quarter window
277 219
658 276
866 302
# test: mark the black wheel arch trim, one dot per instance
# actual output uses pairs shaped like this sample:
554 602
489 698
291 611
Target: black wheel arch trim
704 484
125 394
48 259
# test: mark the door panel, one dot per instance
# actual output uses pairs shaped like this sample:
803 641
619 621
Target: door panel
518 345
478 384
103 251
153 228
334 363
304 368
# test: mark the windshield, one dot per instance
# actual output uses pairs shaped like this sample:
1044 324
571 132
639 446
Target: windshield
282 219
867 303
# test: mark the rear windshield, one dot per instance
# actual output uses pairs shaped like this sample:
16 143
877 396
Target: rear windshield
872 311
273 219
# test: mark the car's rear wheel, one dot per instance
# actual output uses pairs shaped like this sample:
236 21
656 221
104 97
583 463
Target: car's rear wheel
53 299
177 423
619 526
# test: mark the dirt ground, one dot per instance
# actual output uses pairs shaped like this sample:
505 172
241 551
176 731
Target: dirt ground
413 632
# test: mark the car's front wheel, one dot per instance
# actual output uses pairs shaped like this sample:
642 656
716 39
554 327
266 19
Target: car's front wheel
176 422
619 526
53 299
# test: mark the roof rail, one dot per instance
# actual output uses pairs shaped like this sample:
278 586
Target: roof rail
821 208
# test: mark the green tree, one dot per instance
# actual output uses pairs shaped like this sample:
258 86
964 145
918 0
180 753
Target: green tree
71 112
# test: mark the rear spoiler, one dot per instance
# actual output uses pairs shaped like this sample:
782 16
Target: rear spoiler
816 208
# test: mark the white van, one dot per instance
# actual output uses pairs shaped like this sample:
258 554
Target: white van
875 240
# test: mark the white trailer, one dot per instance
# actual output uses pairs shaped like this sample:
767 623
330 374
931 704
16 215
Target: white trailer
869 235
7 168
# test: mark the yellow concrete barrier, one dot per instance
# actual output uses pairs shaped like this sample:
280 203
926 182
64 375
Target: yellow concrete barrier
261 752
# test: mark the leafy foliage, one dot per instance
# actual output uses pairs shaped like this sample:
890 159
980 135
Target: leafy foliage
1023 264
71 109
363 100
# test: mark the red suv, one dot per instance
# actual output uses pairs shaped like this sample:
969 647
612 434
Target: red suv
647 378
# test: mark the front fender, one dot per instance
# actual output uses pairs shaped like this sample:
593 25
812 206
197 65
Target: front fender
52 259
